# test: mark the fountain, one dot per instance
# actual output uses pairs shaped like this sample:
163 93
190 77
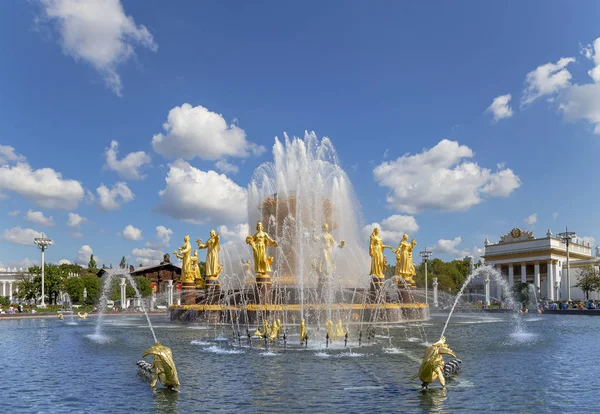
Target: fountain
299 274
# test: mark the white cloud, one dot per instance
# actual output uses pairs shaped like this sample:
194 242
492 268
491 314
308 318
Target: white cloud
83 255
147 256
76 235
546 80
75 220
554 215
8 154
500 107
128 167
113 198
593 52
197 132
393 228
20 264
582 102
99 33
163 234
201 196
132 233
440 178
451 247
226 167
19 235
233 234
45 187
14 213
39 218
64 261
531 219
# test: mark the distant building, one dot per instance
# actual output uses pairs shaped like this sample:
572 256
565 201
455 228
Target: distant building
9 280
158 274
521 257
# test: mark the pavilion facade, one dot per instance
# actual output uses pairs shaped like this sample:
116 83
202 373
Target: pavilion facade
521 257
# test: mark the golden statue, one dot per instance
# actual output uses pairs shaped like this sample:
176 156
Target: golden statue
163 366
303 335
432 367
405 267
376 248
184 254
275 330
339 330
330 330
82 315
324 264
259 243
61 316
247 266
266 330
213 246
198 279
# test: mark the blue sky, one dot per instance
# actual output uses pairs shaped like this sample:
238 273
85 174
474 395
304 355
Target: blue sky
387 82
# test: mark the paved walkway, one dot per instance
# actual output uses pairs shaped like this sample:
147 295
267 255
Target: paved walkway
12 316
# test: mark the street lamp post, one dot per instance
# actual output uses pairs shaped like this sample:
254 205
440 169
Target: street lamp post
566 238
425 255
43 243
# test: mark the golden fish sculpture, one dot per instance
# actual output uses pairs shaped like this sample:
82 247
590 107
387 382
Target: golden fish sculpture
432 367
163 368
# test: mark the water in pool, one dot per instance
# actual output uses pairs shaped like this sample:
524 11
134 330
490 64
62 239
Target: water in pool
549 366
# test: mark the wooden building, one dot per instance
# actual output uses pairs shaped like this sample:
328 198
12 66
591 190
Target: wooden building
158 275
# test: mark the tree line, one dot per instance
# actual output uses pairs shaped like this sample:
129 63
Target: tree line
450 275
73 280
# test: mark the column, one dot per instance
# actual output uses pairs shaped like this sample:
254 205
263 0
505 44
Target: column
536 276
550 282
123 294
523 273
169 292
487 290
511 276
435 292
3 289
10 291
556 278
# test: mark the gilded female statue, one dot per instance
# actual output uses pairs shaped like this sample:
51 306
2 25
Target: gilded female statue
213 246
259 243
405 267
184 254
376 248
197 275
324 264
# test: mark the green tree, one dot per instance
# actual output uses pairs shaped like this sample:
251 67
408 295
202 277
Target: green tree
92 262
54 276
4 301
144 286
74 287
28 288
123 263
521 292
93 286
588 280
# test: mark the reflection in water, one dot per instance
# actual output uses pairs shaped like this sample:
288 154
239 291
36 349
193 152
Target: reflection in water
432 400
165 400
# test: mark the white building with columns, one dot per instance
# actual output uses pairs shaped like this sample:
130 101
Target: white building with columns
9 280
521 257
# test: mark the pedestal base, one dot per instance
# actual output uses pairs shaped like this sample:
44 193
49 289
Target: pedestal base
213 290
188 293
263 287
375 287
